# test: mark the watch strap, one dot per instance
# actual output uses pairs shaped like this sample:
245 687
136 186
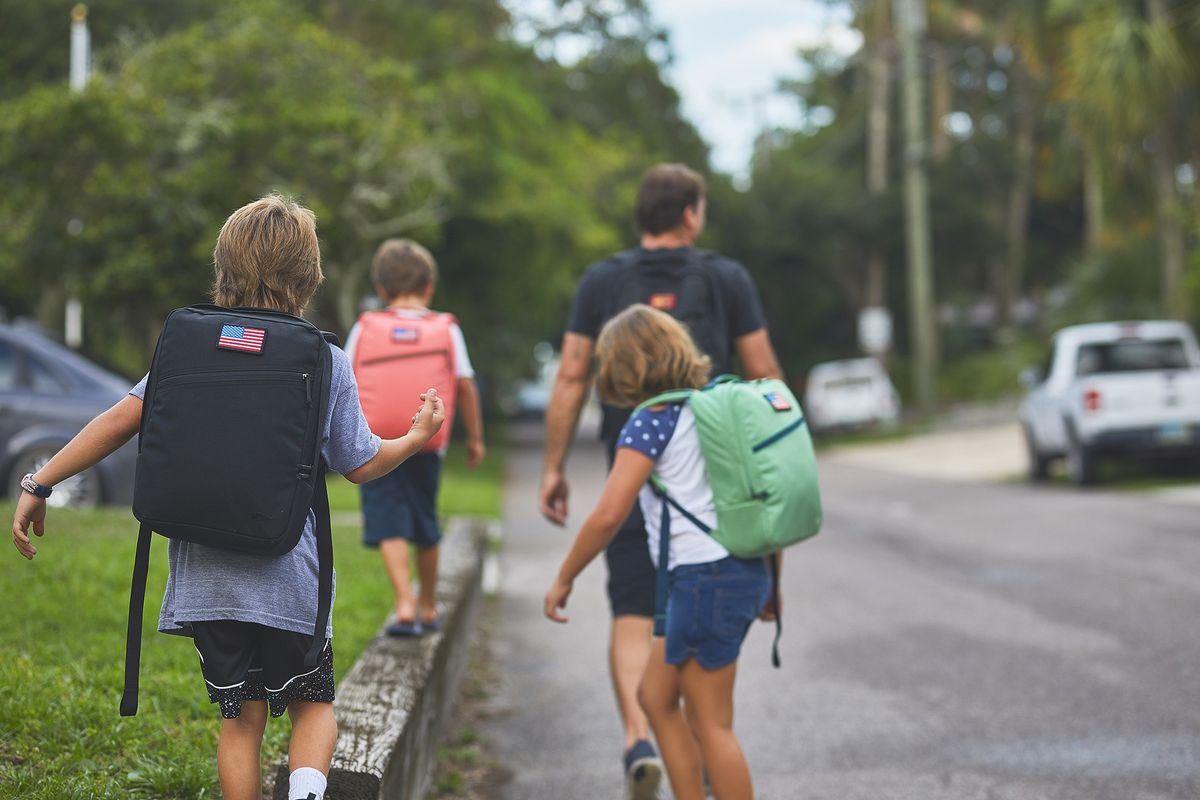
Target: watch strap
34 488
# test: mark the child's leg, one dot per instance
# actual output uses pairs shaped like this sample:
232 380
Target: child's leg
314 734
395 559
628 653
659 697
709 697
427 570
239 749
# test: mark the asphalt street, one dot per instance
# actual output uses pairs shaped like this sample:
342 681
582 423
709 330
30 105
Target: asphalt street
943 641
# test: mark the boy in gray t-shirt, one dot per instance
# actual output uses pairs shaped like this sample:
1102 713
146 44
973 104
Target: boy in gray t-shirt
252 616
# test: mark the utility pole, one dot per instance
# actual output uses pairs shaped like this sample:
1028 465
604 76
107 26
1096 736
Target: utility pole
911 25
81 56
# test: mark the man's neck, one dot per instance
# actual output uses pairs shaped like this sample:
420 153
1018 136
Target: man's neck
668 240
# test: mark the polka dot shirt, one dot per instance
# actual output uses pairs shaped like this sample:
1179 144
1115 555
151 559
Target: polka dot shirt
649 430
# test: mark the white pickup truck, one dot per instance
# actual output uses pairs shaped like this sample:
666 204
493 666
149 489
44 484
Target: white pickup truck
1113 390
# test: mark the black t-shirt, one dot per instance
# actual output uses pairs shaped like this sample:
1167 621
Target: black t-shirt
598 299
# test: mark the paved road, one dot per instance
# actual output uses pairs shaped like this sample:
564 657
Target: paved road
945 641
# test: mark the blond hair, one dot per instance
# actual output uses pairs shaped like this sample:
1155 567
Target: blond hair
403 267
267 256
642 352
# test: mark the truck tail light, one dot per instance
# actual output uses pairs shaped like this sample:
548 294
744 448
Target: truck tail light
1091 400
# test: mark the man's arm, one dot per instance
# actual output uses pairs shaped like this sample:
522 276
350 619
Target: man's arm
562 416
757 356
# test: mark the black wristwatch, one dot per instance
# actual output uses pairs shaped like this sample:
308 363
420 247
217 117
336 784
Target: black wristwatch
35 488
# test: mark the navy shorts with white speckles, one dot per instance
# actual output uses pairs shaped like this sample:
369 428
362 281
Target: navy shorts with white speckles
246 661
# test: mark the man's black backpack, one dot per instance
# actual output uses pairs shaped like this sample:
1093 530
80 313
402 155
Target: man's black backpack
229 450
687 291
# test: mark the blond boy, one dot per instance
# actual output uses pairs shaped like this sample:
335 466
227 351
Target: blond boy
251 616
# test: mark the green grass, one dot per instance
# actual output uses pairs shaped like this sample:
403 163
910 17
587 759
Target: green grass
63 645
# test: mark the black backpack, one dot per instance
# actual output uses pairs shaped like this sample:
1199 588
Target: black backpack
229 450
689 292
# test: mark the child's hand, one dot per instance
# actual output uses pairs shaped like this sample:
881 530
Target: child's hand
556 598
428 420
475 452
770 610
30 511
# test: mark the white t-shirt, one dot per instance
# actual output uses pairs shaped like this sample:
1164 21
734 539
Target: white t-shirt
668 435
462 361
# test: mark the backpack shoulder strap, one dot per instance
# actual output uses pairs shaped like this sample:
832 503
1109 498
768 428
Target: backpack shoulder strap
627 258
133 633
703 261
323 528
673 396
626 265
324 534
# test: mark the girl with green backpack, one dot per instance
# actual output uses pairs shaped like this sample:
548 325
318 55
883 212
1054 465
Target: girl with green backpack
711 595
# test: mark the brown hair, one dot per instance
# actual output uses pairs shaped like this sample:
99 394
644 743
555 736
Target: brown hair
401 266
666 190
642 352
267 256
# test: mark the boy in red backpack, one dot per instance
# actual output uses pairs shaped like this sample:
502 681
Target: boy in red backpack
403 345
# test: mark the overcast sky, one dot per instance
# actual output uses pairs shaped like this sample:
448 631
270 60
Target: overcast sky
729 57
731 54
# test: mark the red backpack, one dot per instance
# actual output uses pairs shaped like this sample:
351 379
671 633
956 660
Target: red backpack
398 356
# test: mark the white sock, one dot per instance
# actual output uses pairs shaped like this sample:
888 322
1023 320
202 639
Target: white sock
306 783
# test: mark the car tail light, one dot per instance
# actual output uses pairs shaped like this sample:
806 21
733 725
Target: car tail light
1091 400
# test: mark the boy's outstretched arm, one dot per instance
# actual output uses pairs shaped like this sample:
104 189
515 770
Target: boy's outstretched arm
629 474
472 417
100 437
393 452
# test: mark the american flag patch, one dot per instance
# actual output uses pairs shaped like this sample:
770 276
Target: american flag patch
407 335
239 337
663 302
778 401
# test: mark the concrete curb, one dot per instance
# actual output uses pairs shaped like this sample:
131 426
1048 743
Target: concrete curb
393 702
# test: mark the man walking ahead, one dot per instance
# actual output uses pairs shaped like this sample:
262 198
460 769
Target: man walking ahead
716 298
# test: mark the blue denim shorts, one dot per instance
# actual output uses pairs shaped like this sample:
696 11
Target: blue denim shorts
403 503
710 608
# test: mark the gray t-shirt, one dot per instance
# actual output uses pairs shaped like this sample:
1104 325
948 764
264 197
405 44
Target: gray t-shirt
279 591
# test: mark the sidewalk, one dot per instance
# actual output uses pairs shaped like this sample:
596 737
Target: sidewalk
555 724
978 455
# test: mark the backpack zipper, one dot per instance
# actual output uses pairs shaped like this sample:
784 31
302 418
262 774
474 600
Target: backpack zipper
775 437
236 377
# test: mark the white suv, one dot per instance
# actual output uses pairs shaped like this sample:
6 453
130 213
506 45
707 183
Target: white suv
1113 390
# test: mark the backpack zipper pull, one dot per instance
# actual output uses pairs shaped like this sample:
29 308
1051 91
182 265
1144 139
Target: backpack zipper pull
307 387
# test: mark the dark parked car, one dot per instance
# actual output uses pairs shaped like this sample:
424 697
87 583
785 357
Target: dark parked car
47 394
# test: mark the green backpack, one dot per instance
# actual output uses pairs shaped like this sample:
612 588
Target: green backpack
760 464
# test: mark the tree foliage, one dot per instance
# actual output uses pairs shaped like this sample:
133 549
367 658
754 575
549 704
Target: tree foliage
423 119
1063 160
